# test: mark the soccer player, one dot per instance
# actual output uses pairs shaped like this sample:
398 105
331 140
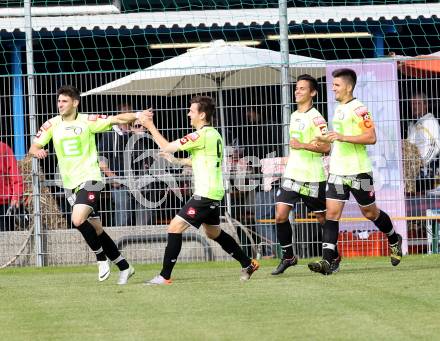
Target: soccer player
205 146
73 136
351 171
304 176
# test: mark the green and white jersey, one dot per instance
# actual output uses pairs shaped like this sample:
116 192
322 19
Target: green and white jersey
349 158
304 165
206 148
75 147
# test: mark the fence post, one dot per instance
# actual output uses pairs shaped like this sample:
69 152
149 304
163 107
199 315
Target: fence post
39 259
285 79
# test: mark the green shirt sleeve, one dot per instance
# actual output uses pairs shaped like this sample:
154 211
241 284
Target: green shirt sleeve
319 126
99 123
193 141
44 135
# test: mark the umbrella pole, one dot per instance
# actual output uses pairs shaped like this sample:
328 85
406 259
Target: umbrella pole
226 182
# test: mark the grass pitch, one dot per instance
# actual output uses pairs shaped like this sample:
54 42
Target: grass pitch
367 300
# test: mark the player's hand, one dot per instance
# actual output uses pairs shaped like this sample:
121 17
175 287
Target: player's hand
169 157
334 136
320 139
146 119
295 144
41 154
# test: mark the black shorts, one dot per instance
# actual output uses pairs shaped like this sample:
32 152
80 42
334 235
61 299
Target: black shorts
311 193
360 185
199 210
89 194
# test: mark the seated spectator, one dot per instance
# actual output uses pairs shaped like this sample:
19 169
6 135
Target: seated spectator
11 188
424 133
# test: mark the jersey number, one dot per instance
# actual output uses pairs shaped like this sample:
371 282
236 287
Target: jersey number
219 152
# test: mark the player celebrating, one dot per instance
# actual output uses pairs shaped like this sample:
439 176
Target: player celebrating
351 171
304 177
73 136
205 146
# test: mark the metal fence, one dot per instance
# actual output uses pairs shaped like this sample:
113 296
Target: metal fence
255 142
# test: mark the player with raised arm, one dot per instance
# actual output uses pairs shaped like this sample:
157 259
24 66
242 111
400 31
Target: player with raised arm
73 136
351 171
205 146
304 177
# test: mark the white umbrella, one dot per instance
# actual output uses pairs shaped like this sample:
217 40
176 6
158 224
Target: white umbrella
214 67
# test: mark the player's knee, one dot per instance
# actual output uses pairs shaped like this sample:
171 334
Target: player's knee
77 221
370 214
281 218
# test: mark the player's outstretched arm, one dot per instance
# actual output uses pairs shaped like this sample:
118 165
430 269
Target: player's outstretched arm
174 160
124 118
146 119
37 151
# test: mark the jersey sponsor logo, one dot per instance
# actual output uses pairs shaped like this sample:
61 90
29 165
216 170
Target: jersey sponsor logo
300 124
91 196
96 117
193 136
340 114
363 112
71 146
46 125
76 130
319 121
191 212
183 140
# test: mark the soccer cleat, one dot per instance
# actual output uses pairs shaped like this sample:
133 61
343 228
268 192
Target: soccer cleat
159 280
334 265
124 275
396 251
322 266
247 272
103 270
284 264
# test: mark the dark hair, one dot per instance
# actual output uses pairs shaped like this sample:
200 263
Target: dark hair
69 90
206 105
348 74
313 83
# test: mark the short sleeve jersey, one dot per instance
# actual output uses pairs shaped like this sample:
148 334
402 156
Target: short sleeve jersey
349 158
206 148
75 146
304 165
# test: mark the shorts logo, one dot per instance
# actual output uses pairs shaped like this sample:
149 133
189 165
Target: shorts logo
193 136
324 129
191 212
91 196
371 194
183 140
